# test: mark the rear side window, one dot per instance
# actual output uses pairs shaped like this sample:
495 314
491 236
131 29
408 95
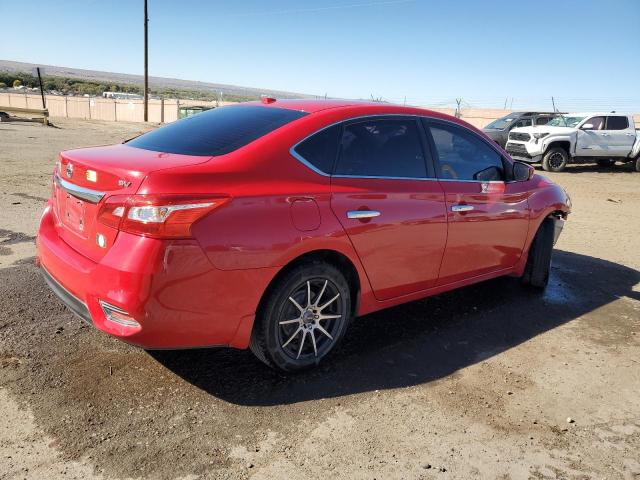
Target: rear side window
320 149
617 123
462 155
217 131
542 120
382 148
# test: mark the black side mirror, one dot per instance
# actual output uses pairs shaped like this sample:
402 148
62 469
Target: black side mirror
522 172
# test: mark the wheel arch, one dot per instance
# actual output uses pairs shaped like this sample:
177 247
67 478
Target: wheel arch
333 257
565 144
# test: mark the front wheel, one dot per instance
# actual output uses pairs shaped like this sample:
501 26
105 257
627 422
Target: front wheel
637 163
303 317
555 160
536 272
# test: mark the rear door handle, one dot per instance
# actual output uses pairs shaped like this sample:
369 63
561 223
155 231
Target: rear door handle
604 134
630 134
363 214
461 208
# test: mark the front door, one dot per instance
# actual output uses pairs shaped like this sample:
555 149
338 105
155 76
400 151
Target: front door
389 205
592 140
488 217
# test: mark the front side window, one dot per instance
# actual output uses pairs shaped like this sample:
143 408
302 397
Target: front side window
597 123
462 155
382 148
217 131
617 123
542 120
320 149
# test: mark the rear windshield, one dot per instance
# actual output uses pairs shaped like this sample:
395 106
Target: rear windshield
216 132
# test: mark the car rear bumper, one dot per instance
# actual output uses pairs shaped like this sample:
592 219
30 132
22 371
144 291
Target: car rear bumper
170 288
72 302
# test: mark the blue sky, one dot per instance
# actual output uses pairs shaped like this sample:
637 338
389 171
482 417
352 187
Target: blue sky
428 51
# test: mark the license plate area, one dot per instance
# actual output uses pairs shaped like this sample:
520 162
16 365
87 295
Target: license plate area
73 214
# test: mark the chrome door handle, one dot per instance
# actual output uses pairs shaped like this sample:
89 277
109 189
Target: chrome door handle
604 134
630 134
363 214
461 208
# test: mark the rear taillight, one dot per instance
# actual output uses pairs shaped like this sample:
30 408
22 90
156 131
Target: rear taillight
161 216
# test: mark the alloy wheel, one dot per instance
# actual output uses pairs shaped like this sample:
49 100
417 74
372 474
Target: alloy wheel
310 319
556 160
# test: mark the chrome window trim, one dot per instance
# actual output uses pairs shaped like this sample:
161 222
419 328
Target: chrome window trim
309 165
92 196
304 161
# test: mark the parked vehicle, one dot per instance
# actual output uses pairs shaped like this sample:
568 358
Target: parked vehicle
272 224
578 138
499 129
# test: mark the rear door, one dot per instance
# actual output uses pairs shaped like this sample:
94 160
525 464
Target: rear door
385 197
620 134
488 216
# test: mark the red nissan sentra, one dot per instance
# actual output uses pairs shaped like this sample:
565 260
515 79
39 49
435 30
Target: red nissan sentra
271 225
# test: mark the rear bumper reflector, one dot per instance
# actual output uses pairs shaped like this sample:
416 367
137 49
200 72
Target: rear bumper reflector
117 315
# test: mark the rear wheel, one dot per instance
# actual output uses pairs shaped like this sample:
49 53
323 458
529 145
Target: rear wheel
555 160
637 163
304 316
536 272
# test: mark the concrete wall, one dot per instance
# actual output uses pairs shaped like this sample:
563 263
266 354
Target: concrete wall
97 108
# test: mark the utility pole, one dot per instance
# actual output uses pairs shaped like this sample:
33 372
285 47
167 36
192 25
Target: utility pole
146 63
458 112
41 89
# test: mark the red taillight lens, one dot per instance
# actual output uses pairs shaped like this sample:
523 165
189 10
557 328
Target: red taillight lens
112 210
161 216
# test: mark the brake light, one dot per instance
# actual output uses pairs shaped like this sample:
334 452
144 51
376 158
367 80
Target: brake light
161 216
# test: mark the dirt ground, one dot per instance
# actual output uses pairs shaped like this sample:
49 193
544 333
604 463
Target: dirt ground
477 383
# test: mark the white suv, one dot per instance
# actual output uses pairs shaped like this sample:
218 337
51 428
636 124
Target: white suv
577 138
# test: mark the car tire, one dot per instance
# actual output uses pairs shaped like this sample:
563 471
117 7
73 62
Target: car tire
538 267
606 162
303 316
555 160
636 163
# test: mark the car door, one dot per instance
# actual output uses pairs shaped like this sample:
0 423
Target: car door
488 216
620 135
590 141
389 204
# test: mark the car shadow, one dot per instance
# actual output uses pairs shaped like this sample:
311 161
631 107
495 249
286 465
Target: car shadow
418 342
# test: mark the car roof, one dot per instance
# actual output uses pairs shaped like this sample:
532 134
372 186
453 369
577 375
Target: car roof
591 114
527 114
312 105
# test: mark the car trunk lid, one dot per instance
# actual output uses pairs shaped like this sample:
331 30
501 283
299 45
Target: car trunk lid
86 177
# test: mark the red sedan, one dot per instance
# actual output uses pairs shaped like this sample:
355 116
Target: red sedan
271 225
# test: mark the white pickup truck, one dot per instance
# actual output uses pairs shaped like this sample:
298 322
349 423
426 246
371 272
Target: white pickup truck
577 138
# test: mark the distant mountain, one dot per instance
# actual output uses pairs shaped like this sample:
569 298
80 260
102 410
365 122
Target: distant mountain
157 82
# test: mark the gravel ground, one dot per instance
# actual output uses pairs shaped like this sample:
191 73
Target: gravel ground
489 381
